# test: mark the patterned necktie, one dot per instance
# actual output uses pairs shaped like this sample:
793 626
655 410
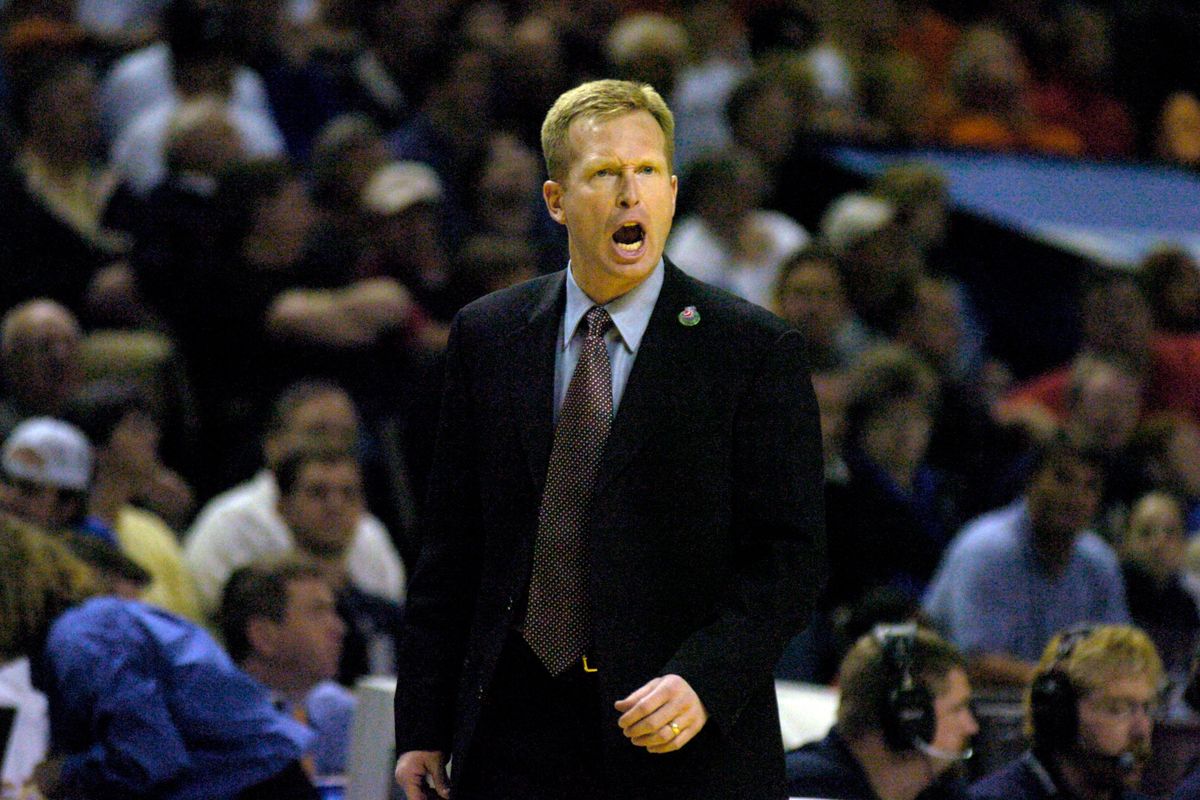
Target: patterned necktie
558 619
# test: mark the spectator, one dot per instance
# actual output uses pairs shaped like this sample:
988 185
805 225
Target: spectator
47 465
204 64
141 703
1152 563
1090 713
56 237
1014 576
40 361
124 434
889 522
808 293
148 77
904 723
1177 139
1116 321
879 263
991 87
280 624
246 524
320 500
1170 278
726 238
648 47
1165 456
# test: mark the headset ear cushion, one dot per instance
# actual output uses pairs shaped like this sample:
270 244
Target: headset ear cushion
910 718
1053 709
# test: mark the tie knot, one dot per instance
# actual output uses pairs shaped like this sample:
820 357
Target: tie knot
598 321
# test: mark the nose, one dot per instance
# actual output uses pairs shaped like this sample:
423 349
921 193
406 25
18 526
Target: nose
627 191
972 724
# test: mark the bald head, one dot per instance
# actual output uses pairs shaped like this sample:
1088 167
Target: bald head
39 355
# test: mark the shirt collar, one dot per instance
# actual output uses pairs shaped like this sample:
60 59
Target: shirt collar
630 312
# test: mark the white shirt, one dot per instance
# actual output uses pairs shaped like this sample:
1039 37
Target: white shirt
243 525
700 253
143 79
30 737
139 155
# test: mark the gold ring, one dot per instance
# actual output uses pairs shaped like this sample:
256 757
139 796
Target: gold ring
674 727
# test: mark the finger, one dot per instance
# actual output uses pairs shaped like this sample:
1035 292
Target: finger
685 736
661 734
441 783
659 720
629 702
644 708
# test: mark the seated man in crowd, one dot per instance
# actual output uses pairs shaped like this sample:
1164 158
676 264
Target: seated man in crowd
1015 576
40 361
244 524
280 624
320 504
142 703
1090 714
904 723
46 475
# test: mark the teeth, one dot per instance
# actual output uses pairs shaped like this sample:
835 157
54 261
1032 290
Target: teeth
629 247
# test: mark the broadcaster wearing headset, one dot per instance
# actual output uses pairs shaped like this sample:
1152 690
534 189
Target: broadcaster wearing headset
1090 715
904 723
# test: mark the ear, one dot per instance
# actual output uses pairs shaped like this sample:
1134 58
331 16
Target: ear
260 633
552 192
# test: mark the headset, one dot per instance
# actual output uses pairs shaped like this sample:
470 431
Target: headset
1053 698
906 713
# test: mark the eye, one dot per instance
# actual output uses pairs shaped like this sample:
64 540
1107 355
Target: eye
648 170
603 172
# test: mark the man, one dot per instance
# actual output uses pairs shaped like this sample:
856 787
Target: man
40 344
607 608
280 624
1013 577
903 722
243 524
47 476
1090 713
141 703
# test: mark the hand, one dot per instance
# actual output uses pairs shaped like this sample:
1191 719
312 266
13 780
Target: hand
418 768
647 714
48 778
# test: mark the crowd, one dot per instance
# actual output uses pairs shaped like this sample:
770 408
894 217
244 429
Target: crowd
235 233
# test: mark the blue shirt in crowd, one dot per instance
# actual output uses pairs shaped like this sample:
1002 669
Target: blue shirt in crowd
991 593
143 703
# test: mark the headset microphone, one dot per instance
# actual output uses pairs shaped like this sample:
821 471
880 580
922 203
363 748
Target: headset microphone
957 755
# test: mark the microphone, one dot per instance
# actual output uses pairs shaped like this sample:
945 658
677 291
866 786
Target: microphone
951 755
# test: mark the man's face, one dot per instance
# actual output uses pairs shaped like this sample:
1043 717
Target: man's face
1063 497
955 722
617 201
309 638
324 506
329 417
43 505
41 359
1118 719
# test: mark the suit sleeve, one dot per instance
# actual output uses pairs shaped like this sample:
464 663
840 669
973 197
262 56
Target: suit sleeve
437 614
778 527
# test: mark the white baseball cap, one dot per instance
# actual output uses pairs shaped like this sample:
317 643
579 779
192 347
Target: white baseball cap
49 452
399 185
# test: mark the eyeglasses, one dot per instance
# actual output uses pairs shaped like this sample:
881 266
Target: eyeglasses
1124 708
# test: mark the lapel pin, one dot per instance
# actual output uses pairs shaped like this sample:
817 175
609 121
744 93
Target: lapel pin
689 317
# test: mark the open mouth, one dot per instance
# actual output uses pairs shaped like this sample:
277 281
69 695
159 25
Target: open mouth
630 236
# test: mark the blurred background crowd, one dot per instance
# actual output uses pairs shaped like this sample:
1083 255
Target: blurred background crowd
233 234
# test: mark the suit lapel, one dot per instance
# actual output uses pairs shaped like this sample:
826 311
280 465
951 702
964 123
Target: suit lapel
532 378
658 378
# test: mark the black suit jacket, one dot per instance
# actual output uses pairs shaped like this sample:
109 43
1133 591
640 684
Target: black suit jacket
706 536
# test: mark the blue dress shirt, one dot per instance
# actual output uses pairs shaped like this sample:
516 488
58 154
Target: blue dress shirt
143 703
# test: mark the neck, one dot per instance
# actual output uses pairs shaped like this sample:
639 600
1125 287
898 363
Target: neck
1053 552
893 776
280 678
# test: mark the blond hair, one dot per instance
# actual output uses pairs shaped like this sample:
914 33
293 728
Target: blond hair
42 579
1098 657
600 100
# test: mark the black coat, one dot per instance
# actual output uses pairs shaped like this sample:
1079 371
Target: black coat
707 542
